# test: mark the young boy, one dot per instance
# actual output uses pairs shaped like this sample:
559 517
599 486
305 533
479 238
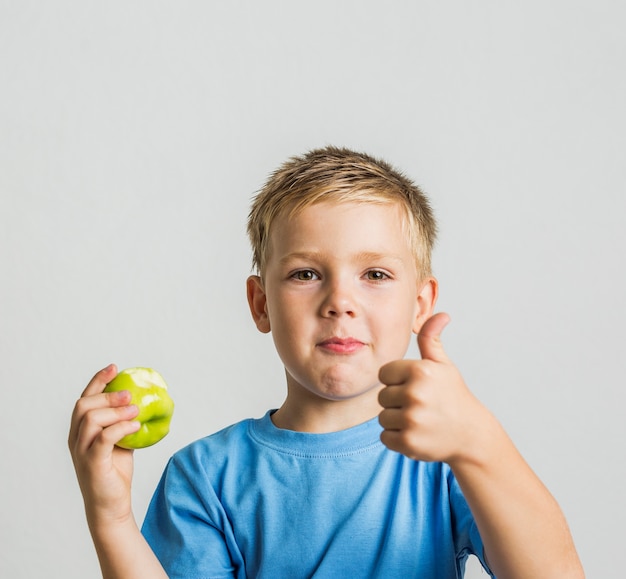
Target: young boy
374 466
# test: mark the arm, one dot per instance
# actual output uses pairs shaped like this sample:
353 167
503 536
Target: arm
430 414
104 474
512 508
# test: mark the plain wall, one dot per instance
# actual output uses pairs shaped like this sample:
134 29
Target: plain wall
133 136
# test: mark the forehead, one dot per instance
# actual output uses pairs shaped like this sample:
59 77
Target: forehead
339 227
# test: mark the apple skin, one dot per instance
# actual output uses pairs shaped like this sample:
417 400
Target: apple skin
149 393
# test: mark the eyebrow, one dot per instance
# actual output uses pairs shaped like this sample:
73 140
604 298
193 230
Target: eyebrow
360 256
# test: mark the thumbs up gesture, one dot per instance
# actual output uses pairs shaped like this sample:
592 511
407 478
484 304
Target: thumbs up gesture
428 412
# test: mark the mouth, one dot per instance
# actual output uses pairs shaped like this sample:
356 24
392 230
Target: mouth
341 345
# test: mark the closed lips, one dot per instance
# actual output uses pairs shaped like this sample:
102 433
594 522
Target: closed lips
341 345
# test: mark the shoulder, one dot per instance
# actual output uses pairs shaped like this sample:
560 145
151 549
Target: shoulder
215 450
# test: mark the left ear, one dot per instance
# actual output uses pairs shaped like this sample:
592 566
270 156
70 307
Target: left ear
427 293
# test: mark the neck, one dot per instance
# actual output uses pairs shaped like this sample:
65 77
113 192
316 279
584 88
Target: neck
305 412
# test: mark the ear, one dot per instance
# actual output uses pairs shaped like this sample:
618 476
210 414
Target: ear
427 293
257 300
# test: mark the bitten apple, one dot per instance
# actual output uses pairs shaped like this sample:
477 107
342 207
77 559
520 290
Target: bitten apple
149 393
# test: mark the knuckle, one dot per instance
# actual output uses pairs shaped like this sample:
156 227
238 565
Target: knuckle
412 422
420 370
125 412
112 398
108 436
413 396
415 370
118 399
79 407
405 440
89 420
415 425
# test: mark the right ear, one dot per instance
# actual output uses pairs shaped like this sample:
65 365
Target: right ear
257 300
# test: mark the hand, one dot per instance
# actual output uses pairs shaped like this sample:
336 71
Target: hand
428 412
104 471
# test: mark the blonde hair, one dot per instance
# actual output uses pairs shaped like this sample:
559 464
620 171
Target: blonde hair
340 175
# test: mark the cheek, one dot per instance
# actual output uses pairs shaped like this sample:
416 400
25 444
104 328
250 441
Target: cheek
286 318
398 309
396 323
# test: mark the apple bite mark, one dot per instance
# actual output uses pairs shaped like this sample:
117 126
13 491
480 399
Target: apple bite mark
149 393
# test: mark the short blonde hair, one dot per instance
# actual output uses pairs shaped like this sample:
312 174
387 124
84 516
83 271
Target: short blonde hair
340 175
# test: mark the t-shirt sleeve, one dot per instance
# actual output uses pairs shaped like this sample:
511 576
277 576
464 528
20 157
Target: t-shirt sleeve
467 537
186 527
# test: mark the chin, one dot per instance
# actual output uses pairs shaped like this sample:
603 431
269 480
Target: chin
340 390
337 383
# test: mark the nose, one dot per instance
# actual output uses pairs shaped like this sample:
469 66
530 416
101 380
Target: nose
339 299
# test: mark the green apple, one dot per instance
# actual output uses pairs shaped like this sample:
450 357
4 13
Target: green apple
149 394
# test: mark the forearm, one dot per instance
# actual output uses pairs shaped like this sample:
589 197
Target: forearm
124 553
104 473
523 529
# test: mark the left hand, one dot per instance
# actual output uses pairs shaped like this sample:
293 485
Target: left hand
428 412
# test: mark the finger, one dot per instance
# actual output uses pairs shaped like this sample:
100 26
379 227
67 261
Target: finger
97 422
103 444
393 440
89 403
100 453
429 338
100 380
395 373
392 397
392 419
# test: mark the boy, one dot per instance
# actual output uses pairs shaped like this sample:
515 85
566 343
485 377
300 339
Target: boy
374 466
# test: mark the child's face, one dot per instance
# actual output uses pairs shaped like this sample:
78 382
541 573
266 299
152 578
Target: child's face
340 295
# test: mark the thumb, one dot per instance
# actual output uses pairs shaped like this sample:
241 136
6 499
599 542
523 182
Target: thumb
428 338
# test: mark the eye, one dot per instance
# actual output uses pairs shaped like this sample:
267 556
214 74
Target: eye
377 275
304 275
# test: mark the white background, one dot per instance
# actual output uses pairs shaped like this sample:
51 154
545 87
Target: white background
133 136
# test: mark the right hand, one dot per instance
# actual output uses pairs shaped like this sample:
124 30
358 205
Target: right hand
104 471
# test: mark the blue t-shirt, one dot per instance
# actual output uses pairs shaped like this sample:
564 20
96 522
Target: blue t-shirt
254 500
